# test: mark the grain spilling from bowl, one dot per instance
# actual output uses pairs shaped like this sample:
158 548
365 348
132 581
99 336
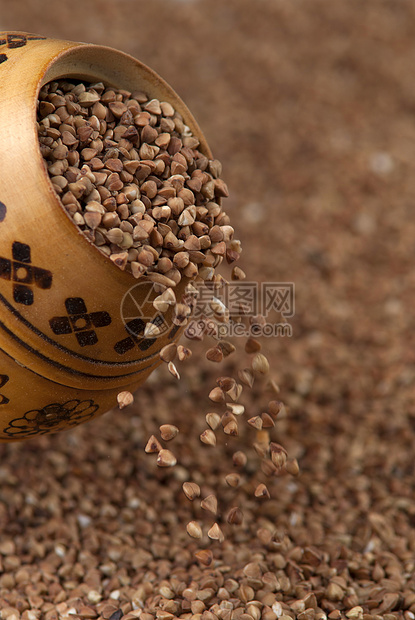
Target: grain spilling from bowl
130 174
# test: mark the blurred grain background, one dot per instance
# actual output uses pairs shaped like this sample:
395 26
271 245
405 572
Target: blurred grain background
310 105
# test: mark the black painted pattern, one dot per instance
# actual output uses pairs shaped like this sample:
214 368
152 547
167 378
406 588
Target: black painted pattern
69 352
3 399
13 41
135 329
46 420
80 322
3 208
23 274
173 332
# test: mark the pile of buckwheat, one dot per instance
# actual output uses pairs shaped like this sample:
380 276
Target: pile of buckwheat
130 174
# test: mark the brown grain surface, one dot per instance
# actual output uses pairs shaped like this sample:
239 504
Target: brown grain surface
310 106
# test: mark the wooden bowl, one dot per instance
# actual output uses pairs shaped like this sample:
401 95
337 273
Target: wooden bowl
71 322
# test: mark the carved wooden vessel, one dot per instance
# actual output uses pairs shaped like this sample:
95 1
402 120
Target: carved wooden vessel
71 322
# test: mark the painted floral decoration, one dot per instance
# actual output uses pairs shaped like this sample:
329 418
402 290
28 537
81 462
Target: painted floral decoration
52 417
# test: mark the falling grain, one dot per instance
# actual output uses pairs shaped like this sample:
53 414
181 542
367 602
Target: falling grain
215 533
124 399
168 431
194 530
208 437
262 492
191 490
210 503
260 364
166 458
153 445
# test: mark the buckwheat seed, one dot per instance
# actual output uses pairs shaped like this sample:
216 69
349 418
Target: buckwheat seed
233 480
124 399
235 516
216 395
231 429
151 330
153 445
235 392
246 377
238 274
267 420
215 533
236 408
214 355
226 347
168 352
213 420
275 407
173 370
194 530
191 490
210 503
183 353
256 422
260 364
204 556
208 437
262 492
168 431
166 458
252 345
292 467
278 454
